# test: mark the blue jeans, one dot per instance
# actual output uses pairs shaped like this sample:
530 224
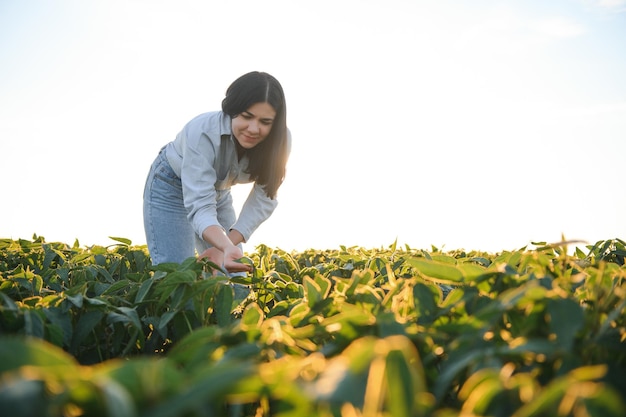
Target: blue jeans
169 234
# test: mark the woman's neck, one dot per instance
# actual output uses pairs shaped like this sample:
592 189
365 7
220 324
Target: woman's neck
241 151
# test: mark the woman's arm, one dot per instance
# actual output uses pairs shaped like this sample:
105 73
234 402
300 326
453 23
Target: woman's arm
236 237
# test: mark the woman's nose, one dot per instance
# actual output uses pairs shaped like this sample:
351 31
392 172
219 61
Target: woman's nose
253 126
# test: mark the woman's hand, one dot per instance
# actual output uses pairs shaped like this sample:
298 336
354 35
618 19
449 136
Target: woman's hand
214 255
224 252
231 255
227 259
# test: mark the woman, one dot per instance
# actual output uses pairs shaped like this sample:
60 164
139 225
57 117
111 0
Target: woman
187 202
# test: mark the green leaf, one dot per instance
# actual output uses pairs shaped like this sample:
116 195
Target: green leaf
566 319
178 277
437 271
37 284
33 323
252 317
125 315
209 386
144 289
146 381
164 320
23 398
425 303
117 399
483 394
195 347
87 323
63 321
323 284
471 271
452 368
76 299
125 241
401 387
8 302
224 304
312 291
576 385
344 379
34 352
116 287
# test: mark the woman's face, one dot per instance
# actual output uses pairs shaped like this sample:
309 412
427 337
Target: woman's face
252 126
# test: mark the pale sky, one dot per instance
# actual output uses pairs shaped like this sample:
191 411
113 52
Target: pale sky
480 125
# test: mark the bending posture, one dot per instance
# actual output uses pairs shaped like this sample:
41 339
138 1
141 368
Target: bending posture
188 206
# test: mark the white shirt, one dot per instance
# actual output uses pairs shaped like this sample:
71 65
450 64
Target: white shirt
204 156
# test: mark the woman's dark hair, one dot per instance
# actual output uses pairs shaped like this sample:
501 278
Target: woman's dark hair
268 159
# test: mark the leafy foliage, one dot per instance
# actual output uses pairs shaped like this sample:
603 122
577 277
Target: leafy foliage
401 332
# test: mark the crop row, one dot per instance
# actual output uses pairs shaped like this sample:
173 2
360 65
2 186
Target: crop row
400 332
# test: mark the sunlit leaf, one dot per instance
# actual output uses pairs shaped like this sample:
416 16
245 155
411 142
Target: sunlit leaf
252 317
401 382
312 291
437 271
34 352
123 240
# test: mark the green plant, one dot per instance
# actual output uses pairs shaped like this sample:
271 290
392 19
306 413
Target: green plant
348 332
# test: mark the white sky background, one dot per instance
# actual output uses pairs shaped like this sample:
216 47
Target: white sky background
480 125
